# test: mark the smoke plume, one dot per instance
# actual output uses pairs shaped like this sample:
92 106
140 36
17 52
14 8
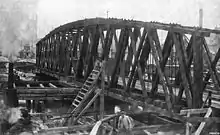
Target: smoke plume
16 28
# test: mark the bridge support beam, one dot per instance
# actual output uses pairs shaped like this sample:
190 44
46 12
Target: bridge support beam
197 90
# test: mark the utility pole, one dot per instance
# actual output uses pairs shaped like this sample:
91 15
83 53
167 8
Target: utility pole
201 17
107 13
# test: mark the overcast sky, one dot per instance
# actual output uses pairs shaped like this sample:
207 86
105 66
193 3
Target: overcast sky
52 13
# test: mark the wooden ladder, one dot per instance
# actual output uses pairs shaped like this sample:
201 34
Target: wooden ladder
87 89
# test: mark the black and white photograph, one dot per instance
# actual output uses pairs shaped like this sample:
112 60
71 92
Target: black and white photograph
109 67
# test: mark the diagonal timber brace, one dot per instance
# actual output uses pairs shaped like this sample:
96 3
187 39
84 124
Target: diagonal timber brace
163 78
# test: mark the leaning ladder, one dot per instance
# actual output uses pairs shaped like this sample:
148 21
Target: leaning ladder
75 110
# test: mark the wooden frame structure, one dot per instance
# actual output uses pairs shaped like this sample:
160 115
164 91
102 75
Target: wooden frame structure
131 50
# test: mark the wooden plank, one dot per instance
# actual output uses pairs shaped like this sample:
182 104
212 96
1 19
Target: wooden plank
41 85
46 90
143 58
52 85
202 125
165 54
188 131
182 63
88 105
28 102
14 86
196 119
121 62
139 69
129 59
213 64
140 74
102 96
116 40
28 85
57 52
122 73
53 53
65 129
157 43
212 69
83 49
193 111
61 53
156 128
95 35
189 52
134 38
123 39
76 42
163 78
137 54
89 55
67 56
42 98
106 46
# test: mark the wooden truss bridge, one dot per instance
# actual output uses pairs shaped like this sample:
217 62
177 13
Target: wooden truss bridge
128 60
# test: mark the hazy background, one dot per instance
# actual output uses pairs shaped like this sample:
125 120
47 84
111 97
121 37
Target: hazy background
52 13
26 21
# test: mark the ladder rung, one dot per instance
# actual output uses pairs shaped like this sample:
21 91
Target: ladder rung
84 89
74 104
89 82
87 86
82 93
80 97
80 122
77 101
96 71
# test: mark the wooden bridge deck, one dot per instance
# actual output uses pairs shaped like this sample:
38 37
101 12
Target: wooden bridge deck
215 97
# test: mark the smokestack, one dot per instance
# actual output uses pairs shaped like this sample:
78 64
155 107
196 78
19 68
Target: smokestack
201 17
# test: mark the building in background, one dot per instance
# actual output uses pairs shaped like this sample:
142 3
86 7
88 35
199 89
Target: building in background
18 19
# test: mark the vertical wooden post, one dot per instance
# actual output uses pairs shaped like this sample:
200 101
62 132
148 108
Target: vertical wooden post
210 99
136 61
33 106
95 106
188 132
122 44
83 51
197 72
10 94
165 54
181 54
102 99
10 76
28 104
